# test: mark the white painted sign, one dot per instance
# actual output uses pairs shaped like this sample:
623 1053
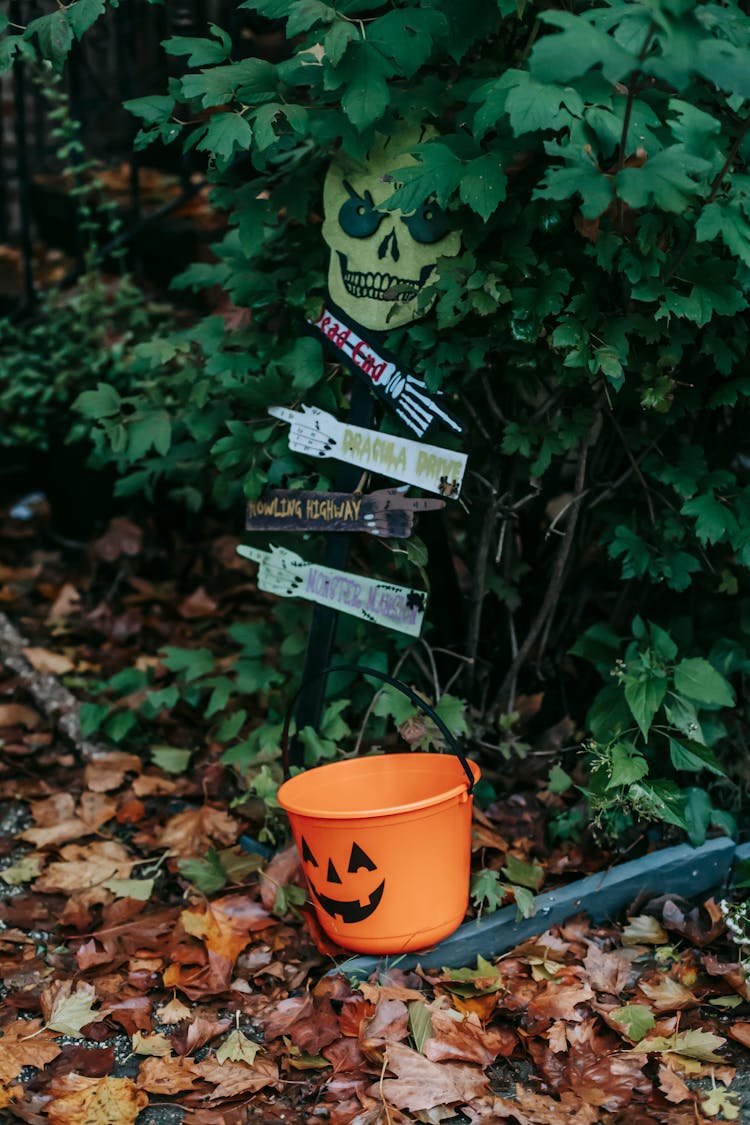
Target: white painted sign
284 573
319 434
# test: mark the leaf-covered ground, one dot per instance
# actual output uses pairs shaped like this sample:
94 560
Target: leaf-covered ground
128 993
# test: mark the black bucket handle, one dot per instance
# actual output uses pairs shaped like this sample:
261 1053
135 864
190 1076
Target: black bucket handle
450 738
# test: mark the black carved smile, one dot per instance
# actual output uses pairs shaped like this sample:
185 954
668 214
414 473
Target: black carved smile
350 910
381 286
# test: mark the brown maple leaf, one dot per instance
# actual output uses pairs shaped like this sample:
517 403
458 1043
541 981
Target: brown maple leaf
78 1100
107 771
421 1084
233 1078
466 1040
191 832
388 1024
25 1043
673 1087
167 1075
192 1036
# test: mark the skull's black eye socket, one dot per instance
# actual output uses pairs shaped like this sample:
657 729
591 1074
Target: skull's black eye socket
358 859
429 223
358 217
307 855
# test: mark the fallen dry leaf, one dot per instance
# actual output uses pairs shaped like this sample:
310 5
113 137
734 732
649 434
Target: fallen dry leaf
421 1084
644 930
238 1048
466 1040
197 605
18 715
66 604
173 1012
151 1043
673 1087
25 1043
122 537
168 1075
78 1100
82 868
48 663
233 1078
694 1044
66 1010
191 832
106 772
281 870
668 995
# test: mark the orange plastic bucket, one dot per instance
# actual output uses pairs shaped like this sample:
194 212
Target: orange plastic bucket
385 843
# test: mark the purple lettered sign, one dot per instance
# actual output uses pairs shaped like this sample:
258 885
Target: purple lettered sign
284 573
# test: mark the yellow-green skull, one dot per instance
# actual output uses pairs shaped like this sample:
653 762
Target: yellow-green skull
380 259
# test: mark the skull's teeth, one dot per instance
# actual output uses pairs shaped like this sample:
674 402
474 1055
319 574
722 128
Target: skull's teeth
378 285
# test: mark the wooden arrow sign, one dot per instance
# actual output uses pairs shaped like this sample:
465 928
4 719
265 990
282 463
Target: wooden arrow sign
284 573
403 393
387 513
319 434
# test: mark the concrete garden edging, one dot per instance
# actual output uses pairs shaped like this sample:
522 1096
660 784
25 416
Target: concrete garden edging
681 870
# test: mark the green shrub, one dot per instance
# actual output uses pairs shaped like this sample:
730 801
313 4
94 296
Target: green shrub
592 332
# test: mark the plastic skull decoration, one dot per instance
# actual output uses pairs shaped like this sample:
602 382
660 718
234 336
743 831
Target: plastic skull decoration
380 260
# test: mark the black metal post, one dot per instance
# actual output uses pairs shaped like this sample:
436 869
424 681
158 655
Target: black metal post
324 619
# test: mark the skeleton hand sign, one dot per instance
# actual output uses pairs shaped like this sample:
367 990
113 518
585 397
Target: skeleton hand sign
403 393
280 571
319 434
313 431
284 573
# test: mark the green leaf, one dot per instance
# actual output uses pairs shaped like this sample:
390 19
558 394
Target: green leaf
304 14
579 47
713 520
453 712
170 758
202 52
189 663
364 72
698 810
693 756
83 14
408 35
636 1019
727 221
559 780
206 874
483 185
226 132
609 714
644 697
104 402
438 174
665 179
699 681
152 432
627 765
487 891
525 902
583 177
420 1023
55 36
527 874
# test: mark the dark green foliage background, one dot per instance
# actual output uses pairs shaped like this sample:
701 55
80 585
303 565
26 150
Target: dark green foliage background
593 332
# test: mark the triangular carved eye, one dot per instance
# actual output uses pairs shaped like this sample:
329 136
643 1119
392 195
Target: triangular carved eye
307 855
333 875
358 859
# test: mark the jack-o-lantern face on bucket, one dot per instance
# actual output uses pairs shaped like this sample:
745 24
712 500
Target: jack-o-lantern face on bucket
361 903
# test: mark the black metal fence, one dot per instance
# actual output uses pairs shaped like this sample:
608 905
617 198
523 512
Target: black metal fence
119 58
